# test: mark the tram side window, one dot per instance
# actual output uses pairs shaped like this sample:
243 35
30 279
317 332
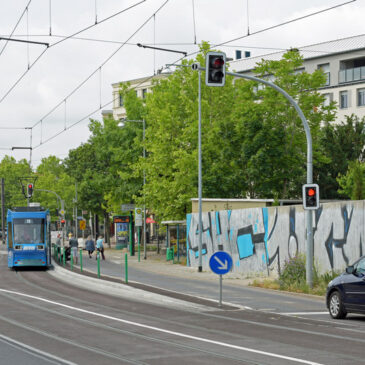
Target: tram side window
10 235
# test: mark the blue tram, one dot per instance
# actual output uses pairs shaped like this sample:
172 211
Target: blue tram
29 237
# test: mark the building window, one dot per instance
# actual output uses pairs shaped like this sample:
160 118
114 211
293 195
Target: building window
344 99
326 70
361 97
327 99
144 93
121 101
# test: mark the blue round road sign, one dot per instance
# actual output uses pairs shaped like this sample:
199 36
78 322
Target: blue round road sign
220 263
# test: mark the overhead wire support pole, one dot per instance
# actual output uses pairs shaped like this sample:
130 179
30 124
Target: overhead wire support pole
23 41
162 49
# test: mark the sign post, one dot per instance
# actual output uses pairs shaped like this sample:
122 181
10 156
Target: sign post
220 263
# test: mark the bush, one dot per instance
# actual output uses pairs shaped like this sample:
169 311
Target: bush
293 273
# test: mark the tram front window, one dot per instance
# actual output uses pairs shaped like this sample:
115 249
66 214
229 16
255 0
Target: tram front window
28 230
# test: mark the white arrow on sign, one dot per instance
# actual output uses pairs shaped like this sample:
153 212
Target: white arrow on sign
223 266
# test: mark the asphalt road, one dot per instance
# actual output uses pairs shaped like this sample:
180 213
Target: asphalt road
56 317
173 278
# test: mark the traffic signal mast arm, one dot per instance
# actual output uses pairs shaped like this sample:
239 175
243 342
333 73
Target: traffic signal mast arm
309 213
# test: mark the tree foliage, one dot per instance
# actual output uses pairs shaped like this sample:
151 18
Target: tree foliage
253 145
342 144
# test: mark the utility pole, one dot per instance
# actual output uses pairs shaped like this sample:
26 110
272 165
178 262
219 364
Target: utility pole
3 209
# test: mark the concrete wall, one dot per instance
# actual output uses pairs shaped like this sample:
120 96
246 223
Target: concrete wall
209 205
261 239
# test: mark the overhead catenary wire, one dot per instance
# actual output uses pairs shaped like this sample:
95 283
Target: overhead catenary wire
272 27
222 44
102 64
16 25
248 18
89 115
174 43
194 25
62 40
50 17
28 37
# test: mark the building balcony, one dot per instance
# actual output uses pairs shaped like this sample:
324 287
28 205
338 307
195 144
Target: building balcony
351 74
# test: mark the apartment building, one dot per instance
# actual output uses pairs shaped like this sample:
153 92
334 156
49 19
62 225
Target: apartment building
343 62
142 87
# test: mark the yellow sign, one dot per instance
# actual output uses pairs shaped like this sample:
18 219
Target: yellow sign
82 224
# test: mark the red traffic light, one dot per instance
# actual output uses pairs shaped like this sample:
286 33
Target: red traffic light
215 69
29 190
310 196
218 62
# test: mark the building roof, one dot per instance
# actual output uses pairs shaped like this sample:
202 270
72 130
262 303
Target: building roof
142 80
318 50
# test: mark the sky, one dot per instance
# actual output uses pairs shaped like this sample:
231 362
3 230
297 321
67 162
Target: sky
48 94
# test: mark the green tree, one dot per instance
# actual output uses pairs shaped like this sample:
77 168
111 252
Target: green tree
14 174
273 142
253 141
341 144
352 184
51 175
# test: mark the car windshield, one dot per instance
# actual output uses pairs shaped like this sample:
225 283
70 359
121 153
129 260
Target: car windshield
28 230
360 266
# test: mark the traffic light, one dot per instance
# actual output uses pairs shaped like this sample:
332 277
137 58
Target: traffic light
63 222
215 69
29 190
310 196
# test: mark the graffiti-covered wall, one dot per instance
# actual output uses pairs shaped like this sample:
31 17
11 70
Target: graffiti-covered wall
261 239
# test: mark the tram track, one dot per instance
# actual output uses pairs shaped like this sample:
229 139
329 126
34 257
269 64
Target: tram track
164 335
170 344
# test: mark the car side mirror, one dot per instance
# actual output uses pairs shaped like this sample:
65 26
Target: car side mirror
350 270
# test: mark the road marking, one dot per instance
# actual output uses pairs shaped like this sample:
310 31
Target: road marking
34 351
300 313
157 329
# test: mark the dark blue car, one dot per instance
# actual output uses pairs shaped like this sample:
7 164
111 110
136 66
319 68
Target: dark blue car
346 293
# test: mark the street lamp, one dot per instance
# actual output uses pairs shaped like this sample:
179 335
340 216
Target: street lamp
121 124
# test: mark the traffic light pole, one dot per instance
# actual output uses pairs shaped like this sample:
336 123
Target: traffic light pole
200 268
309 214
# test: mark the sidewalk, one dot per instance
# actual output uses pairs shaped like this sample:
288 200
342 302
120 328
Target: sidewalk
158 265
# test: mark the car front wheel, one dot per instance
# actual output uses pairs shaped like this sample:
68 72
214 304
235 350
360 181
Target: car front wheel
336 307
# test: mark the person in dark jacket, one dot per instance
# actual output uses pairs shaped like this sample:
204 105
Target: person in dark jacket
90 246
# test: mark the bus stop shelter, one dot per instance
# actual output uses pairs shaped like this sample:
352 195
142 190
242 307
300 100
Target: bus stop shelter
169 249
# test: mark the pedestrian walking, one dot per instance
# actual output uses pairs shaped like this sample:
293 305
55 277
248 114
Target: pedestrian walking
58 240
73 246
90 246
100 246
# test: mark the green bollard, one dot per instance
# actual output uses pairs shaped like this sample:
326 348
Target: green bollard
98 260
64 257
81 259
126 268
72 262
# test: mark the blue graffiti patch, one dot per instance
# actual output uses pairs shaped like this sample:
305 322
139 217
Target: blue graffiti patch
204 251
245 246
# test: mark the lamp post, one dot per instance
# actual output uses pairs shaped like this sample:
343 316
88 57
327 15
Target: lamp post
122 124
